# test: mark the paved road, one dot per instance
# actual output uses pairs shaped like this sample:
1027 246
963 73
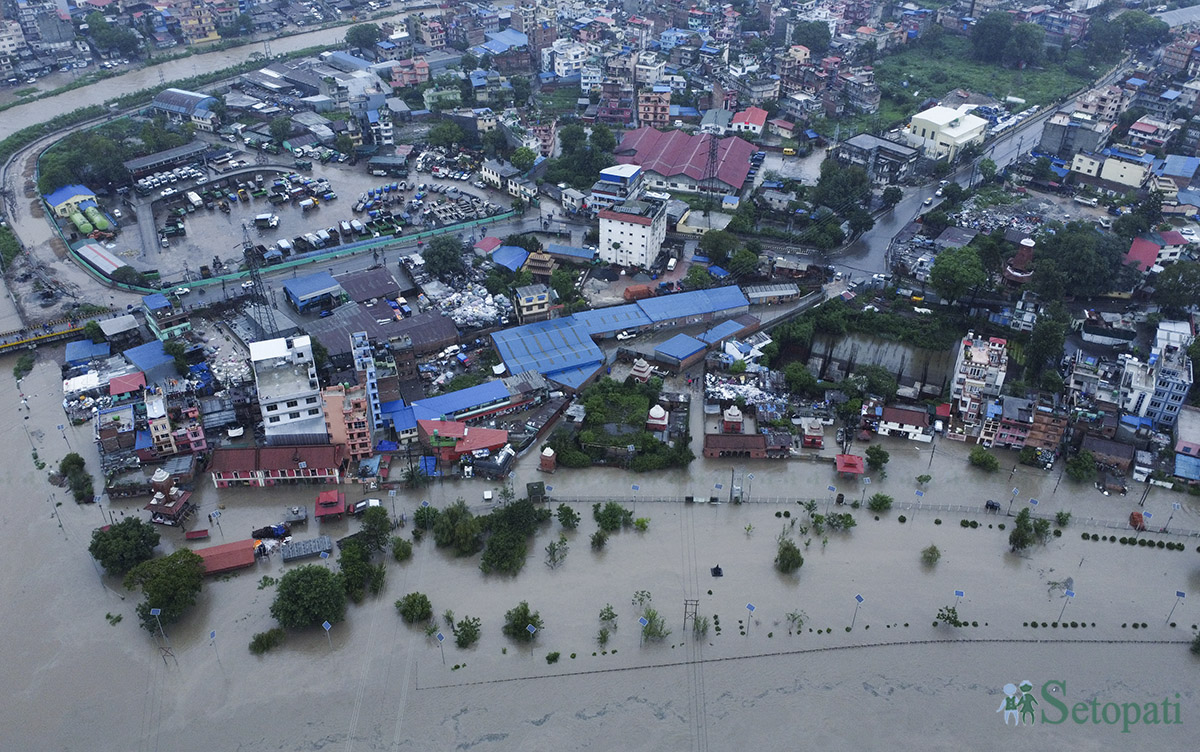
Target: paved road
1180 17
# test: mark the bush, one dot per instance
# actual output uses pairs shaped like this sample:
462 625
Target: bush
415 607
264 641
552 657
641 524
517 621
401 549
1196 644
984 460
930 555
599 539
902 519
1062 518
656 626
964 523
974 524
788 557
567 517
937 521
879 502
612 516
466 631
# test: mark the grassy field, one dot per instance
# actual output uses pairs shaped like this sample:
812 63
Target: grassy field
934 70
561 101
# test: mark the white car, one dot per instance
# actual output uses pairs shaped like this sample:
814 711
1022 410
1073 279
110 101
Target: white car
1188 233
248 284
181 291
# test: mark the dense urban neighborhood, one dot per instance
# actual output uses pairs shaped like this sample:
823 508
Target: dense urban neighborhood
410 296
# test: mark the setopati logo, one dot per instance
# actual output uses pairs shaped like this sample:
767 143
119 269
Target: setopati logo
1019 703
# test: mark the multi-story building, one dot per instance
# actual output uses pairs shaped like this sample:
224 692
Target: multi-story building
410 72
978 376
1137 385
197 23
750 120
432 33
1048 428
497 173
184 435
654 107
565 57
1067 133
859 90
884 161
648 69
756 90
942 132
617 184
347 416
164 319
1006 422
289 396
12 42
616 105
1106 103
533 303
546 133
1173 371
632 233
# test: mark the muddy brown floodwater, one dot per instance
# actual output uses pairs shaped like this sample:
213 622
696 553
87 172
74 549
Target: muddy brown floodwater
76 682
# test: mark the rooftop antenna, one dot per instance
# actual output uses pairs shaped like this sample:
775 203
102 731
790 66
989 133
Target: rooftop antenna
258 291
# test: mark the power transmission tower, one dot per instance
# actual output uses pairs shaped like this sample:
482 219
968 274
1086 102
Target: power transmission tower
690 607
709 182
260 305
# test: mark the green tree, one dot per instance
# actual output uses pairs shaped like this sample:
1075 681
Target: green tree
787 555
983 459
602 139
878 380
697 278
168 583
930 555
444 257
457 527
307 596
949 615
92 331
363 36
124 545
523 158
743 263
717 245
934 222
357 573
568 517
376 529
957 271
1045 343
468 62
344 144
892 195
466 631
877 457
1178 287
517 621
280 128
799 380
573 139
415 607
1025 45
401 549
1021 536
445 134
1081 467
842 189
987 168
990 36
1142 29
812 34
860 221
880 502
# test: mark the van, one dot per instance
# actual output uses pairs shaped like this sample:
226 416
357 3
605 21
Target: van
789 152
671 264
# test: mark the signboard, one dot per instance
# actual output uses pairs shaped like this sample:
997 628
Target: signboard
1180 594
530 629
750 607
441 637
959 594
326 626
830 489
920 494
1071 594
1034 502
636 487
643 621
155 611
858 598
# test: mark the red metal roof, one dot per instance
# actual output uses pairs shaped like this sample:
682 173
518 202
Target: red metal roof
277 458
636 219
904 417
330 504
128 383
227 556
467 438
752 116
677 153
850 463
489 244
1142 252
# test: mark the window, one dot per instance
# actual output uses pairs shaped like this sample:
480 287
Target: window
292 403
273 419
310 401
272 408
314 411
293 416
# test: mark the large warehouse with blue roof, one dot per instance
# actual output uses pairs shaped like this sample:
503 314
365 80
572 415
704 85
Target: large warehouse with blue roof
562 350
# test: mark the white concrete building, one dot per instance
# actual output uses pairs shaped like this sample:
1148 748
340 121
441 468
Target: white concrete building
978 375
632 234
942 132
289 396
565 57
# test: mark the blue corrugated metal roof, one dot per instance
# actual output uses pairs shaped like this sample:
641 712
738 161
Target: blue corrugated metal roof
301 288
511 257
1187 467
155 301
403 419
547 347
84 350
721 331
574 378
693 303
449 405
142 440
67 192
570 250
149 356
600 322
680 347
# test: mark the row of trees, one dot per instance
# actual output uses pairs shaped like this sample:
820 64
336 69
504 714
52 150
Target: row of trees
583 155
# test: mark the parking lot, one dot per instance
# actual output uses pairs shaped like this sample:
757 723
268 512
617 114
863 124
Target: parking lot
213 237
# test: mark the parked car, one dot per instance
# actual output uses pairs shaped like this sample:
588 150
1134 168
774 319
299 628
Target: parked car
364 505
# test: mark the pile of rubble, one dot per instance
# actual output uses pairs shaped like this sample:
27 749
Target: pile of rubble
718 388
231 370
475 308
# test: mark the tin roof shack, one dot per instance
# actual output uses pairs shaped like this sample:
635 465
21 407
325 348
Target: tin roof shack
1110 455
753 445
331 505
227 557
680 352
907 423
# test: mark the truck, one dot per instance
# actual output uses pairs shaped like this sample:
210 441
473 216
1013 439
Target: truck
194 199
1087 201
308 204
358 227
266 220
284 245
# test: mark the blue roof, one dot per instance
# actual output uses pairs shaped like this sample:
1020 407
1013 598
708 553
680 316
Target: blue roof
603 321
142 440
680 347
449 405
511 257
570 250
372 116
352 61
307 286
1170 95
1176 165
548 347
693 303
510 37
155 301
148 357
429 466
403 419
718 272
1187 467
67 192
1136 81
721 331
384 44
83 350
